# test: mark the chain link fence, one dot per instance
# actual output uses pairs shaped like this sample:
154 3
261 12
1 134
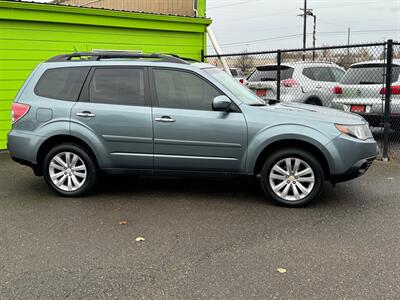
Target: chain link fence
363 79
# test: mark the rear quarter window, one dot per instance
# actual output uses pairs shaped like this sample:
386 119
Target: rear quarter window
62 83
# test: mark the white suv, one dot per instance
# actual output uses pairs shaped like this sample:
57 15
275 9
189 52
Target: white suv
362 90
306 82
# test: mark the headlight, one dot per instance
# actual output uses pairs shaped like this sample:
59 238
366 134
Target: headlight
361 132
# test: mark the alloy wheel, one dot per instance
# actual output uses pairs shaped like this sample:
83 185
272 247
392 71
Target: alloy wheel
292 179
67 171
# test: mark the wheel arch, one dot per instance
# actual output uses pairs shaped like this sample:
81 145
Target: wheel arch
313 98
57 140
292 143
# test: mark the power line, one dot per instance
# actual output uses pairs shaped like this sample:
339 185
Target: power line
342 4
283 37
262 40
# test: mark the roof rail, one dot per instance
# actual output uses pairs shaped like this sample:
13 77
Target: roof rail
98 55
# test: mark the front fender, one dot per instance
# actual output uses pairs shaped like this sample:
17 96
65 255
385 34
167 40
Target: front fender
294 132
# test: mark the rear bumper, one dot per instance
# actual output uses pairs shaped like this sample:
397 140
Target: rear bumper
36 170
23 148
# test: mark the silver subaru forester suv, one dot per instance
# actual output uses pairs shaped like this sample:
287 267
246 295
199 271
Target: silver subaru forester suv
83 114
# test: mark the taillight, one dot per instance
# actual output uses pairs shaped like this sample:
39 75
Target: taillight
261 93
395 90
289 82
243 81
337 90
18 111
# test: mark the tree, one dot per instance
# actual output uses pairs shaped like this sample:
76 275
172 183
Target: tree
245 62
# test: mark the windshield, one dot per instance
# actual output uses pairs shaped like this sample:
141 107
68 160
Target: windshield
239 90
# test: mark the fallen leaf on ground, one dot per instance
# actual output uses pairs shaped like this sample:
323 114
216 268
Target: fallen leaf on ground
139 239
123 222
281 270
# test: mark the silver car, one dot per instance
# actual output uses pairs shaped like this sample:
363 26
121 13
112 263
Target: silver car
76 118
362 90
305 82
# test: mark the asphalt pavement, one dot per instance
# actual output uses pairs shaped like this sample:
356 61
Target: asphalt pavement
203 239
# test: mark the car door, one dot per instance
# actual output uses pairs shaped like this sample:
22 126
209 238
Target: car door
115 107
188 134
321 81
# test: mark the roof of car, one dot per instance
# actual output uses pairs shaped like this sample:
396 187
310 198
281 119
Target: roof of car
105 57
303 63
104 54
373 62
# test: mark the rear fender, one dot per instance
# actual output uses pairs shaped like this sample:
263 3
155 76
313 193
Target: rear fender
87 135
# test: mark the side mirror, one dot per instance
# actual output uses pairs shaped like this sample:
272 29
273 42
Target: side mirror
221 103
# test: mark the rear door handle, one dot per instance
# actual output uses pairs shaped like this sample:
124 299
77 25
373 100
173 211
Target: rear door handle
86 114
165 119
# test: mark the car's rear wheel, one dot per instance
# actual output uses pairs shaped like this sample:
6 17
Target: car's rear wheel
70 170
292 177
314 101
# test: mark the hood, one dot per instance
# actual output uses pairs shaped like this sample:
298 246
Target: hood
314 112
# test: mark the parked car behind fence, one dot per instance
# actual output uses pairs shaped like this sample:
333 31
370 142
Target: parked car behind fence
362 90
305 82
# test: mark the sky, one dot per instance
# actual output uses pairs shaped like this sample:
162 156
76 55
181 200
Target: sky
258 25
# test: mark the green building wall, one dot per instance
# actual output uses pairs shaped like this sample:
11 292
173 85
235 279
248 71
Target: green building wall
31 33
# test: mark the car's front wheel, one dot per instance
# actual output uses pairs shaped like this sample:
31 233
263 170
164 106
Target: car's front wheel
292 177
69 170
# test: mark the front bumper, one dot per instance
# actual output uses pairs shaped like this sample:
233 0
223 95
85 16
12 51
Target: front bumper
358 169
350 157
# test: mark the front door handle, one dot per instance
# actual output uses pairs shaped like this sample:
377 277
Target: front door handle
86 114
165 119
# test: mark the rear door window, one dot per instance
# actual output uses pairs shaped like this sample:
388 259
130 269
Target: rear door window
122 86
62 83
270 73
369 74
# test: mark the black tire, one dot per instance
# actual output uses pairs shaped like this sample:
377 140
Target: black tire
314 101
305 156
85 156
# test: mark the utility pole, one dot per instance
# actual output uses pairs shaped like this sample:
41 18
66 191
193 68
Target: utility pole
306 12
304 29
314 34
348 36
